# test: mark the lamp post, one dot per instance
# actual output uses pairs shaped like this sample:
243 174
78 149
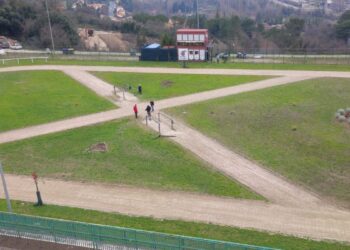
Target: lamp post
49 20
197 14
9 208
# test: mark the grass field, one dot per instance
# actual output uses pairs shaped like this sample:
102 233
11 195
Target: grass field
135 157
175 227
235 65
161 86
290 129
36 97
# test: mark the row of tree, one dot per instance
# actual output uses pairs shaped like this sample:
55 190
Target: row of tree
26 21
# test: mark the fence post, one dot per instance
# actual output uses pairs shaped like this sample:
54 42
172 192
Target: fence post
159 124
9 208
53 231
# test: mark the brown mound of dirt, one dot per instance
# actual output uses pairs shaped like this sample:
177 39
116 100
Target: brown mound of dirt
98 147
166 84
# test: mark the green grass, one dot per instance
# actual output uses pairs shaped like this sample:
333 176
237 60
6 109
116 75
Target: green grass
202 230
290 129
161 86
36 97
236 65
135 157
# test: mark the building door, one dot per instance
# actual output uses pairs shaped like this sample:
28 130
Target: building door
196 55
202 55
191 55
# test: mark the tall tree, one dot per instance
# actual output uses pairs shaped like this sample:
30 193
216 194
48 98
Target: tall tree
343 26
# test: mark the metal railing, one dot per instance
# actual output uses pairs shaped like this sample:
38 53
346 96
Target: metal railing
24 58
159 119
103 237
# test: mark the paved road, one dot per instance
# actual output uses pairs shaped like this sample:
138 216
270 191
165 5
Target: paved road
292 211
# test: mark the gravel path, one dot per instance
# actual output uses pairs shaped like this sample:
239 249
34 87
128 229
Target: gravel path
292 210
126 106
264 182
101 88
53 127
321 223
297 73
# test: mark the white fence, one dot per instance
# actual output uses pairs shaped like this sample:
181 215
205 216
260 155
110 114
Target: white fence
24 58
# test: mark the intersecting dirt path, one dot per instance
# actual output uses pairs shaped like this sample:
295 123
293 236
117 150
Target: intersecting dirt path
292 210
125 109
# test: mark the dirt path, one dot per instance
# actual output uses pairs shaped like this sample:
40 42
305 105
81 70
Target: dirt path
315 223
208 71
101 88
292 211
104 89
54 127
228 91
273 187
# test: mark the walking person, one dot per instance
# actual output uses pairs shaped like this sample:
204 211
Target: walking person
136 111
148 110
139 89
152 105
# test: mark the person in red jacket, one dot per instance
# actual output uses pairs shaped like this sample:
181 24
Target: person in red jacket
135 111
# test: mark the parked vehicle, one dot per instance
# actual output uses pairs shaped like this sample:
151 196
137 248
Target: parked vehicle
4 45
2 52
16 46
68 51
241 55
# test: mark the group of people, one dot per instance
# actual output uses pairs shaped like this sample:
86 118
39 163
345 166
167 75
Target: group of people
149 109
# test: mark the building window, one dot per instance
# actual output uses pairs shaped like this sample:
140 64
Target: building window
179 37
201 38
190 44
184 37
196 38
190 37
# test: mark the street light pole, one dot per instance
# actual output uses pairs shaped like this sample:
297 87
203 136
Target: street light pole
9 208
49 19
197 14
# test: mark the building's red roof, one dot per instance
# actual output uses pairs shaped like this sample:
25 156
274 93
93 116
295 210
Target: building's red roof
194 31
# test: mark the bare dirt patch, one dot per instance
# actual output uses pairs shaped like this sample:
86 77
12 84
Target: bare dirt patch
166 84
98 147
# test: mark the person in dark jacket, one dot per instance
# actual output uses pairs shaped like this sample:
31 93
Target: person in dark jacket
136 111
139 89
152 105
148 110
